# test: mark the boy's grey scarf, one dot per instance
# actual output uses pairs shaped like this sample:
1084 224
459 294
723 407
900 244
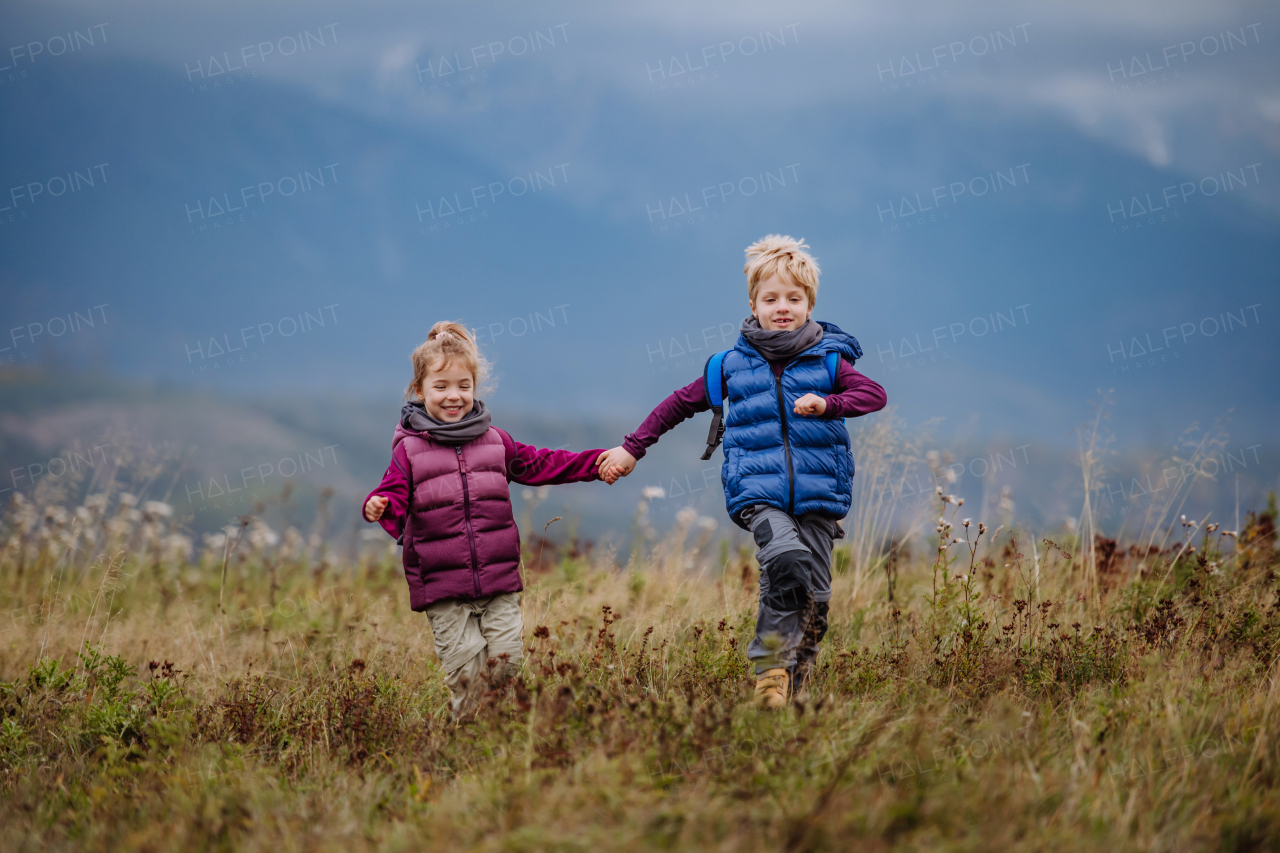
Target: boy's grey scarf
778 345
475 423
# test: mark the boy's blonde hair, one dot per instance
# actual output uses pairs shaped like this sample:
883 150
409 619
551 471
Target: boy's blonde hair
781 255
447 343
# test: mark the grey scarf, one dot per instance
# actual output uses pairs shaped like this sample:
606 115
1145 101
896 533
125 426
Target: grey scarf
779 345
475 423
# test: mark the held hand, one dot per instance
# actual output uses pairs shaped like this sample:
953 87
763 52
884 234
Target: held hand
614 464
811 404
375 507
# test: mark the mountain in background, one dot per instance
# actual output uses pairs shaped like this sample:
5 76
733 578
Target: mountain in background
588 307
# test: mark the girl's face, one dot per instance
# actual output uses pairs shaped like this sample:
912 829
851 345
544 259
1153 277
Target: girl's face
448 392
780 306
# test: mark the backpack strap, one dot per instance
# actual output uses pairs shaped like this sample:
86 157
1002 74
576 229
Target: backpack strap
833 368
713 379
714 369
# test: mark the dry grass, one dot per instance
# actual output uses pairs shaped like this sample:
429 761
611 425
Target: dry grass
147 703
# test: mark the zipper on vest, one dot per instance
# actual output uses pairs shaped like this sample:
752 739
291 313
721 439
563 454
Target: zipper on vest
466 514
786 445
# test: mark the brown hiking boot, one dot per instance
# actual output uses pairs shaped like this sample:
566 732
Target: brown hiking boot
772 688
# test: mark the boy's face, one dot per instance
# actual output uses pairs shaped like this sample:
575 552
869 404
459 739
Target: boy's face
780 306
448 392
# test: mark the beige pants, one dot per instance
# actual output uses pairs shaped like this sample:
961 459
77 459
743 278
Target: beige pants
468 634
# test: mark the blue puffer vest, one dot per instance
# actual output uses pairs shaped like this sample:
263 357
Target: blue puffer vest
774 456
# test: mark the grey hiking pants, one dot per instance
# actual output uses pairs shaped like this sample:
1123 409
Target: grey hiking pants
470 633
795 586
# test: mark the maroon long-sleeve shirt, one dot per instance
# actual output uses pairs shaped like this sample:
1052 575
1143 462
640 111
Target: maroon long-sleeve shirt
526 465
855 395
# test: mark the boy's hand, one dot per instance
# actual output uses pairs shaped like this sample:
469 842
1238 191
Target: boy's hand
811 404
614 464
375 507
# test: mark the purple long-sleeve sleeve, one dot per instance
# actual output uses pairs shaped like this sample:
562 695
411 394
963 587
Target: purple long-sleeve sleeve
395 488
537 466
526 464
855 395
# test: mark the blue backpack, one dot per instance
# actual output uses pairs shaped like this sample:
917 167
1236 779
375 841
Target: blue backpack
715 394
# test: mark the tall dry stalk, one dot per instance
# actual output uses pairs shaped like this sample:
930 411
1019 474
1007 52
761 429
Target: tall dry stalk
1092 451
884 454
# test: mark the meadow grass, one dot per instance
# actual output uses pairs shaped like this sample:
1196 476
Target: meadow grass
268 695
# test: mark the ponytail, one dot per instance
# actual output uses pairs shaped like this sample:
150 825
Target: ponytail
446 343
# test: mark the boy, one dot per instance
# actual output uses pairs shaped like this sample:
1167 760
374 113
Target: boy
788 470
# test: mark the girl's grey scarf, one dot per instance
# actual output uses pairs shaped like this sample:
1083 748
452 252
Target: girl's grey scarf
475 423
778 345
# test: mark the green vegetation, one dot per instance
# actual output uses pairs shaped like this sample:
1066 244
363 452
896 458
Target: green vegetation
262 697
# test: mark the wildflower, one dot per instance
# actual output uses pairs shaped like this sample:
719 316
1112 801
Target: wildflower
966 521
652 493
960 502
1211 528
686 515
154 510
1232 533
127 499
982 528
939 489
955 541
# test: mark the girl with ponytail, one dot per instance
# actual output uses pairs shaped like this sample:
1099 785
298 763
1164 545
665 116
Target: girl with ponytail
445 497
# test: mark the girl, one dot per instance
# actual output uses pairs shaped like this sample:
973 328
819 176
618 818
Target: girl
445 498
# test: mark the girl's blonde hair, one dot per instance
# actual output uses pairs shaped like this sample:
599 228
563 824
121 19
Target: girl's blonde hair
786 257
447 343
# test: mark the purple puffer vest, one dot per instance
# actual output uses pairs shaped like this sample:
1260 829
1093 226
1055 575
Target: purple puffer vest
460 537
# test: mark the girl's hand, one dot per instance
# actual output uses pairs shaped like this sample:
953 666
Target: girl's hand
375 507
614 464
811 404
